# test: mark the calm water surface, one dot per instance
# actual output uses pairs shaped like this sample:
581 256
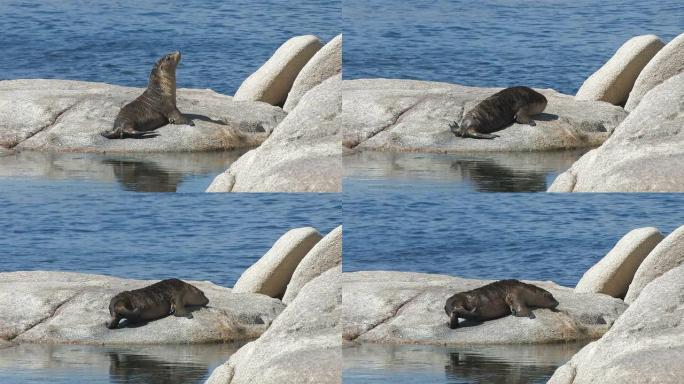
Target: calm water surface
487 172
496 43
149 236
149 172
407 364
151 364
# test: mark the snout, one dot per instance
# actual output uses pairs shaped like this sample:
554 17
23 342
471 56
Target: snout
176 56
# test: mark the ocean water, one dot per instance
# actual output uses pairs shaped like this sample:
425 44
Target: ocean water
428 228
72 227
496 43
117 42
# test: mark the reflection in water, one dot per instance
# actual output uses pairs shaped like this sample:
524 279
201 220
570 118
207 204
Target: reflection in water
488 176
145 172
509 364
483 172
169 364
143 176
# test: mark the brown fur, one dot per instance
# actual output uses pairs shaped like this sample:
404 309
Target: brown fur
156 107
158 300
496 300
516 104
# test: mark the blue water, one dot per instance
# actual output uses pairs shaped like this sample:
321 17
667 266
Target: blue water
542 43
117 41
556 237
64 227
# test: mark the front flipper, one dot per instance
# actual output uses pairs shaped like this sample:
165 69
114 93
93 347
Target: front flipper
453 321
517 307
477 135
177 118
178 309
522 118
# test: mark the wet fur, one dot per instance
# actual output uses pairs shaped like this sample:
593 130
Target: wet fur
155 301
155 108
516 104
496 300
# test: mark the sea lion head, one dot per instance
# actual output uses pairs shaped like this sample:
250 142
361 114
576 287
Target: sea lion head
537 102
163 75
194 296
460 305
541 298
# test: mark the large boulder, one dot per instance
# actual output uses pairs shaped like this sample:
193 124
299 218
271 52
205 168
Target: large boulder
644 154
302 346
325 64
326 254
303 154
645 345
68 116
409 115
408 308
667 255
667 63
65 307
273 80
613 81
273 271
613 274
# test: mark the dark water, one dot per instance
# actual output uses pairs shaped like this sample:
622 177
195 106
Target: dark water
153 364
117 42
545 43
78 227
149 172
404 364
487 172
428 228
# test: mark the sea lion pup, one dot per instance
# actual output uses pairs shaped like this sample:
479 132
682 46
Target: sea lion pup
498 111
496 300
156 107
158 300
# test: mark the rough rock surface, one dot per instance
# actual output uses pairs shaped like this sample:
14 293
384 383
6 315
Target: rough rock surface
613 274
667 255
326 254
667 63
65 307
303 154
645 345
644 154
409 115
302 346
61 115
325 64
613 81
273 80
272 272
408 308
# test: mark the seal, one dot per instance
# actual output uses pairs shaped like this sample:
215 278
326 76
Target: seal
158 300
156 107
496 300
498 111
